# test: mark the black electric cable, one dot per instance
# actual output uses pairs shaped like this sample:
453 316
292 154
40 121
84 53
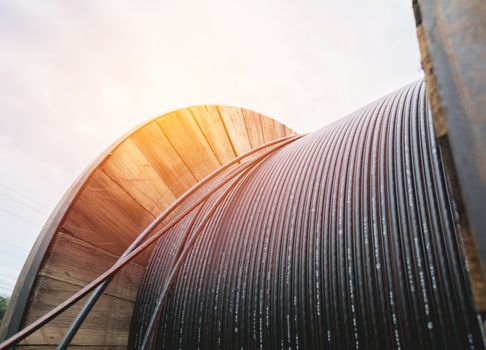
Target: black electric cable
141 245
346 238
186 246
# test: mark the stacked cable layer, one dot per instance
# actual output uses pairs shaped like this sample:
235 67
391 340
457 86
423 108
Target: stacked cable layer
345 238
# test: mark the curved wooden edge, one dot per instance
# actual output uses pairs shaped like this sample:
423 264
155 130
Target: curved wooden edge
23 286
21 294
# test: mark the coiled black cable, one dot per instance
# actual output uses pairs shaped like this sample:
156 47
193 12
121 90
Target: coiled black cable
346 238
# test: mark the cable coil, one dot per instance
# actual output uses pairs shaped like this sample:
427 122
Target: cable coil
346 238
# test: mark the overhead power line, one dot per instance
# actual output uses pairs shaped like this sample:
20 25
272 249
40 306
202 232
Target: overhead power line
23 204
6 291
8 278
12 254
21 249
24 196
20 217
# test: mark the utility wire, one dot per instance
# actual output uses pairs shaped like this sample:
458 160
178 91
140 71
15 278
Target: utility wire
124 260
23 204
20 217
12 254
7 285
6 291
24 196
8 277
14 246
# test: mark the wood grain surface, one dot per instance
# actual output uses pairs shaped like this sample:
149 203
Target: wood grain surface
118 196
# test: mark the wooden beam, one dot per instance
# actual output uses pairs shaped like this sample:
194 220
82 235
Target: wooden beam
107 323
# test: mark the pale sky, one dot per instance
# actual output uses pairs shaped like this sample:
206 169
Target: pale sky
76 75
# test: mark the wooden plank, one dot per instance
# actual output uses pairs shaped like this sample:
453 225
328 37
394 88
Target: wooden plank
131 170
268 129
214 130
279 129
235 125
164 158
78 262
185 136
289 131
105 215
107 323
253 127
118 199
21 294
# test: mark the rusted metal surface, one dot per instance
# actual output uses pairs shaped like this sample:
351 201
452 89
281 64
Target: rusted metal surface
452 38
452 35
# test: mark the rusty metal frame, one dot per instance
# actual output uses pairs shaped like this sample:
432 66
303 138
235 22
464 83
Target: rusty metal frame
452 39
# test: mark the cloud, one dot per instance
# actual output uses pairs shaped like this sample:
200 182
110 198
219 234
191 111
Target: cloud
78 74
